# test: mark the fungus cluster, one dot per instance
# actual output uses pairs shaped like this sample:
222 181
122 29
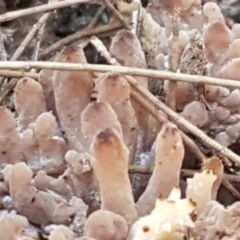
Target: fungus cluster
65 161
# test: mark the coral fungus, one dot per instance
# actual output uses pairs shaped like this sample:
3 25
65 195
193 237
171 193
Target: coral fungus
81 157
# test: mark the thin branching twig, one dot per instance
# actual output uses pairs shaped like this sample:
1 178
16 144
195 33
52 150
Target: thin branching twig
40 35
226 183
26 41
18 74
105 30
173 62
15 65
96 17
9 16
3 54
117 14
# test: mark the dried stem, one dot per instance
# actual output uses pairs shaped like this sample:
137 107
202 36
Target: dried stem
105 30
136 18
27 40
3 54
121 70
18 74
43 8
39 40
231 188
96 17
184 172
30 36
117 14
172 86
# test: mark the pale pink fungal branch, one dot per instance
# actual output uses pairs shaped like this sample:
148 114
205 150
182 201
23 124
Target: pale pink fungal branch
62 232
81 178
29 101
38 206
216 218
196 113
106 225
30 146
126 48
42 143
10 141
91 124
72 91
116 91
111 168
59 185
13 226
217 39
51 146
212 13
166 174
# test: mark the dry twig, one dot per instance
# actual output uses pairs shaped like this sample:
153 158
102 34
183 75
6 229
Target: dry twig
3 54
27 40
96 17
18 74
105 30
117 14
124 71
186 173
43 8
226 183
39 40
173 62
30 36
135 17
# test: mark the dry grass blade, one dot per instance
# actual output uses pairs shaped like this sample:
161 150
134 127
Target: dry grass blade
43 8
